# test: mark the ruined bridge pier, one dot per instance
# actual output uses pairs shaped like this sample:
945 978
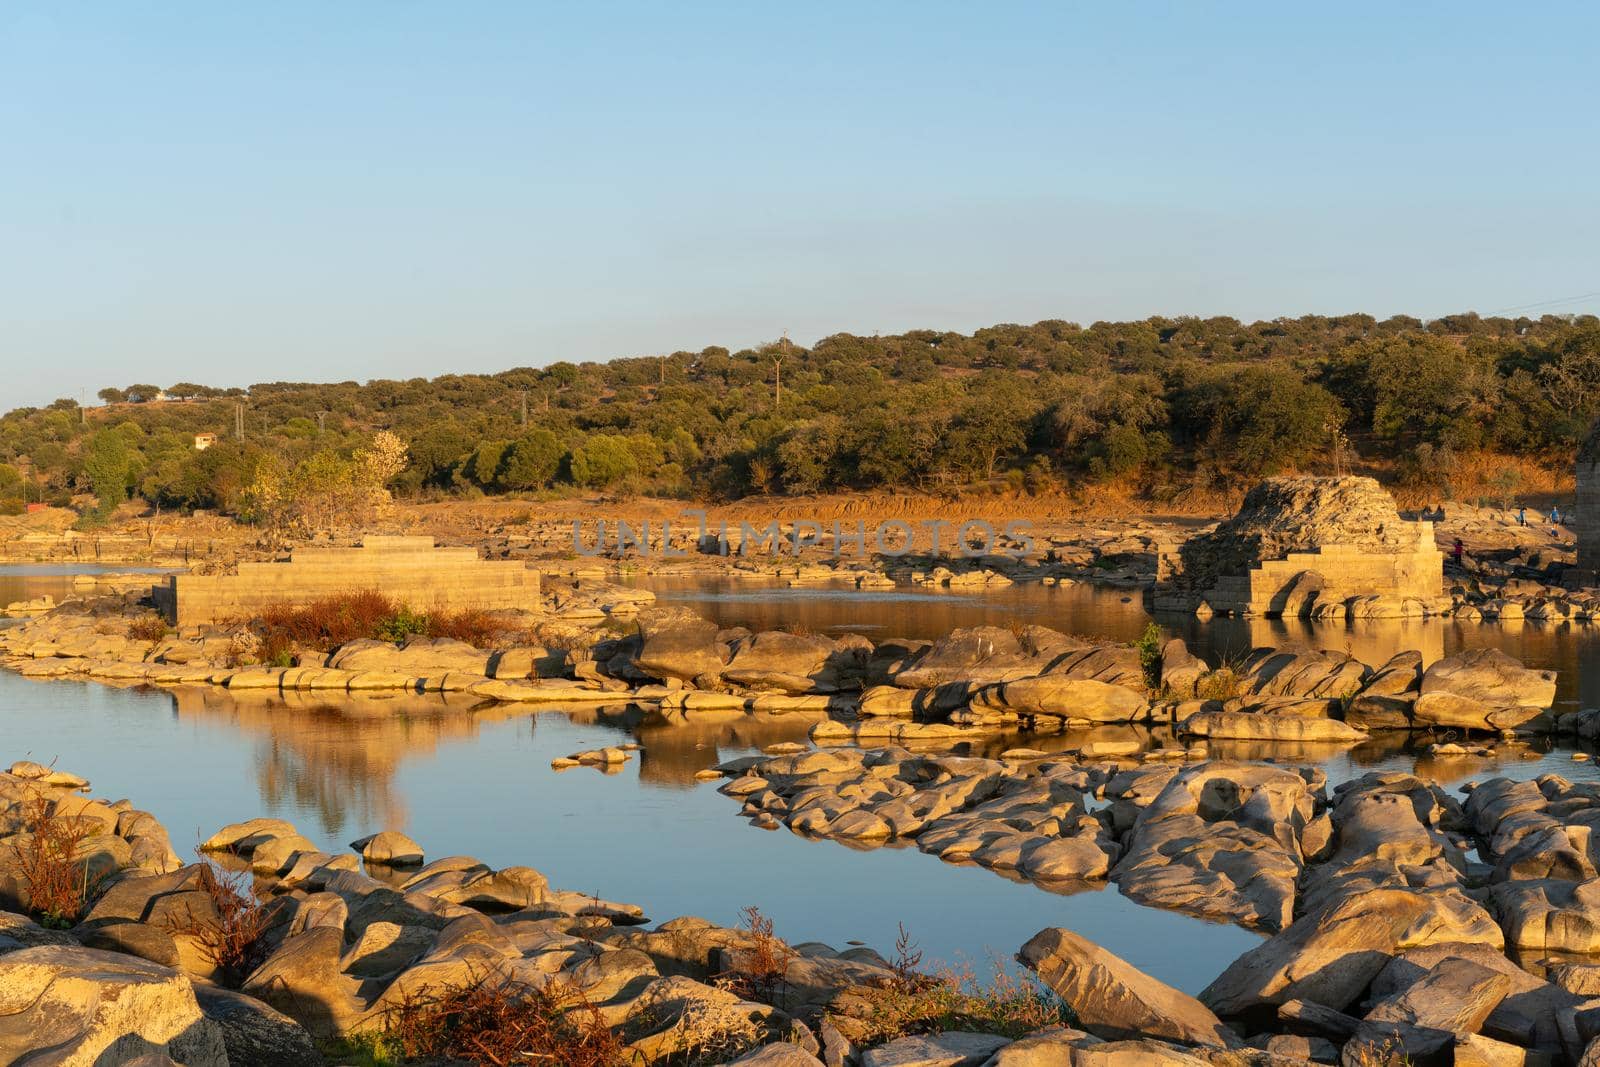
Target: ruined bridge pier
412 570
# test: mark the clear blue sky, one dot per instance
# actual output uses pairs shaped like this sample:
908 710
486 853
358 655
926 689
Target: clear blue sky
229 193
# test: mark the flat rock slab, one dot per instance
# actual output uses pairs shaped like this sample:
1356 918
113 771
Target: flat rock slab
954 1049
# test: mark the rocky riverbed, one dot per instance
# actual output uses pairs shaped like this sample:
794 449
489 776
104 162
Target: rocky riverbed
1408 926
1392 910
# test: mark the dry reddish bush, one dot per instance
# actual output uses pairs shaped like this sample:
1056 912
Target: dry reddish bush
233 941
475 626
764 964
328 622
58 883
325 622
503 1022
151 628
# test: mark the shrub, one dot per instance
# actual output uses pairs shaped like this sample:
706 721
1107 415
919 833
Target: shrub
328 622
233 941
325 622
58 883
400 624
475 626
1149 648
762 966
501 1022
149 628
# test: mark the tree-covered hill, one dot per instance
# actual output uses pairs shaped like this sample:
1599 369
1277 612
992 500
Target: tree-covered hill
1156 405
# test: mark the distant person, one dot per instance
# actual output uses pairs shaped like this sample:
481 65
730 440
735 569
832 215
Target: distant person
1555 516
1522 516
1456 552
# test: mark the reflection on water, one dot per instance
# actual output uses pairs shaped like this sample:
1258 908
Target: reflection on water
480 783
1571 648
26 581
463 778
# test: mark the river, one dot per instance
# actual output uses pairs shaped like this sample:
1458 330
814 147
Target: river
478 781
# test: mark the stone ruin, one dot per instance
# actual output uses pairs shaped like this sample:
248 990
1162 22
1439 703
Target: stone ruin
1301 546
1587 518
412 570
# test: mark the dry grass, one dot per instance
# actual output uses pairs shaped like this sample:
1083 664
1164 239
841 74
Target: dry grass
233 941
58 883
500 1022
1221 684
914 1002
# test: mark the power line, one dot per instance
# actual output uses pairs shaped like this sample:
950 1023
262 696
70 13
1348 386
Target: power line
1547 303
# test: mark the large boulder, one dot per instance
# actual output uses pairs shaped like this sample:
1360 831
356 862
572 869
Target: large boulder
81 1007
1549 914
1220 840
1333 952
1113 999
1483 689
978 654
1064 697
680 646
255 1034
1302 672
418 656
1258 726
304 978
794 663
1181 670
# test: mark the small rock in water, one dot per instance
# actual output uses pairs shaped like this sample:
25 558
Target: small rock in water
1580 757
707 774
784 748
1104 749
562 763
608 755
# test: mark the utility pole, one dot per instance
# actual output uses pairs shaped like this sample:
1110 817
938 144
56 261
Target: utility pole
322 423
524 394
238 420
777 371
663 369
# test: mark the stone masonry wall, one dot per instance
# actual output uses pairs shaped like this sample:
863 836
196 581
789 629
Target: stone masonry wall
408 569
1346 571
1588 520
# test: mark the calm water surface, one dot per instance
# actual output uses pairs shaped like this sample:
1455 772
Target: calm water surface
477 780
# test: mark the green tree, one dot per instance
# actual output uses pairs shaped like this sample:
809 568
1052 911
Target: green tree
1254 420
532 460
482 467
992 425
602 460
1420 387
109 467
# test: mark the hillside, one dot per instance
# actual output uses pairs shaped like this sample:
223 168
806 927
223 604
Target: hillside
1159 408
